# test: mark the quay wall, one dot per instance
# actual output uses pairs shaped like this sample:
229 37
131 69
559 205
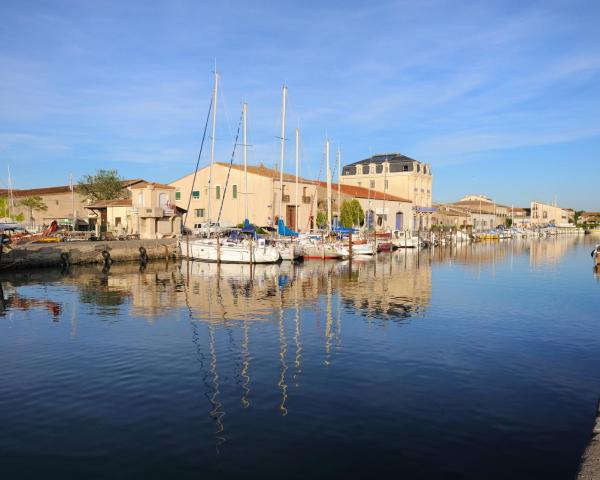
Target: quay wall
55 254
589 468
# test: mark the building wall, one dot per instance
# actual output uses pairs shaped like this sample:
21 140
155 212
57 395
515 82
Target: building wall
414 184
543 213
60 206
263 198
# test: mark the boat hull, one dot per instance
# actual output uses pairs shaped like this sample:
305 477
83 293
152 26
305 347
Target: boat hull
208 251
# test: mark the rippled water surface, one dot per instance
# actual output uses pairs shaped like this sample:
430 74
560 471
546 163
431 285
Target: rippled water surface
479 363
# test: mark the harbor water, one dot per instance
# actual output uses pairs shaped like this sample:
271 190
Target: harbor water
481 361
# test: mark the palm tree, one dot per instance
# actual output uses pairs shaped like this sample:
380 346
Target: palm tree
34 203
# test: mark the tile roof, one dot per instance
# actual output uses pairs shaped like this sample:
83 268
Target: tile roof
266 172
362 192
32 192
119 202
144 184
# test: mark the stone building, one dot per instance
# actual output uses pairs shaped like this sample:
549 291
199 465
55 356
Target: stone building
398 175
383 211
266 201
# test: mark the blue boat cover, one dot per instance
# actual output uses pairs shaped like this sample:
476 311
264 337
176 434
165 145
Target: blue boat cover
285 231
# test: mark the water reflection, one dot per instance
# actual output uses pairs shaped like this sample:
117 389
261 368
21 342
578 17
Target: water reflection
284 351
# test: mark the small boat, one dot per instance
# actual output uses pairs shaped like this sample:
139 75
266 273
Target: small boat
404 239
385 246
288 249
363 248
324 250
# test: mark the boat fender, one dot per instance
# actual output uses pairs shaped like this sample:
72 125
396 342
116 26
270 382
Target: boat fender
106 257
65 259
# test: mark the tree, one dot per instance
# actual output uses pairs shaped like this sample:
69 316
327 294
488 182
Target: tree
104 185
508 222
358 215
321 219
351 214
4 211
33 203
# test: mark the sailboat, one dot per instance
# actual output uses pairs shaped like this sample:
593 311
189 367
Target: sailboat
289 249
236 248
320 248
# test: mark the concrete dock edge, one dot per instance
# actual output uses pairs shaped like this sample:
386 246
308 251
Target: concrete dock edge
589 469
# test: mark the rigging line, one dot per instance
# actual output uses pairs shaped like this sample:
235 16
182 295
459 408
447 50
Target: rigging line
198 160
235 143
225 109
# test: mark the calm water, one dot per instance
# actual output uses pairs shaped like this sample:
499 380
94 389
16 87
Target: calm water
478 363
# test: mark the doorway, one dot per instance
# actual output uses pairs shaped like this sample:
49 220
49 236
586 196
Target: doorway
290 216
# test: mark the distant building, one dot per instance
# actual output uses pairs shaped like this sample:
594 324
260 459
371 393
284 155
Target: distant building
398 175
64 205
450 216
382 210
228 196
547 214
148 211
485 213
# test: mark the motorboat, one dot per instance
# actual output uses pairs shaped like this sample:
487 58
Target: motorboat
404 239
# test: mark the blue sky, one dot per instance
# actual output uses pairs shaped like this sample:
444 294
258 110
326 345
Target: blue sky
500 98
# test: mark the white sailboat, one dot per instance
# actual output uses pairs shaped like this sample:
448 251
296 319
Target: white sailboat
289 249
232 249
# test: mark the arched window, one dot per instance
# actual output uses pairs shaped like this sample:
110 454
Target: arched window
163 199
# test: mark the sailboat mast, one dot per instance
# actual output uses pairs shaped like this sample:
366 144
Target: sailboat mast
328 183
339 192
10 193
212 147
282 151
245 114
298 203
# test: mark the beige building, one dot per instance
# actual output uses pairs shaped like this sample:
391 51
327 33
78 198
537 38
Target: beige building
383 211
63 205
396 175
451 216
546 214
148 211
485 213
266 201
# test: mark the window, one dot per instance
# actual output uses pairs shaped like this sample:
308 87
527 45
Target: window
372 183
199 212
57 202
544 214
218 191
405 168
141 199
195 194
163 200
234 191
177 195
418 167
117 221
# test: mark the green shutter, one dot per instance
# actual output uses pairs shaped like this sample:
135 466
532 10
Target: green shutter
218 192
235 191
177 195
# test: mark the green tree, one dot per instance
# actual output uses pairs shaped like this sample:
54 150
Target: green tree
34 203
508 222
4 211
351 214
321 219
104 185
358 215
